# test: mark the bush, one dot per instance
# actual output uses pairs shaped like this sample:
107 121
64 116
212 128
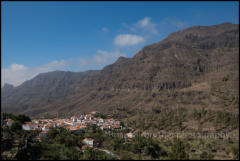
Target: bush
206 156
16 126
91 154
23 118
8 116
178 151
70 141
52 133
235 151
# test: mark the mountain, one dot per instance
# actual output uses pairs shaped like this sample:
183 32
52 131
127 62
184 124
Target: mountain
7 87
191 68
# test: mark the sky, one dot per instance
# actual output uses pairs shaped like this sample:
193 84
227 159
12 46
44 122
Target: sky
38 37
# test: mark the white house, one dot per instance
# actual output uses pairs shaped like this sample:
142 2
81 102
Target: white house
29 126
74 119
129 135
45 128
81 117
100 120
88 142
35 121
9 122
104 127
88 117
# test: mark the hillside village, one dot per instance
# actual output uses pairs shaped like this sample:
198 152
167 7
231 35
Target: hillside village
75 124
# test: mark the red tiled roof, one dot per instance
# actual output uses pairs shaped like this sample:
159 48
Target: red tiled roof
83 126
74 127
9 120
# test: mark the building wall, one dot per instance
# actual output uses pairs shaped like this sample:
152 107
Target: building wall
89 143
9 124
26 127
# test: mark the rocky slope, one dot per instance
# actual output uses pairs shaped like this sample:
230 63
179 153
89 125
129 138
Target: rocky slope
194 67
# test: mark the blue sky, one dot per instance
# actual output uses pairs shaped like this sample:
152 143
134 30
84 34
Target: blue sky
77 36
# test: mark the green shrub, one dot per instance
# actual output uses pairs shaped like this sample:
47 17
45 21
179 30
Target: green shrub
178 151
206 156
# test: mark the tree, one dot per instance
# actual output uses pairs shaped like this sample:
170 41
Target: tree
8 116
197 115
16 126
71 140
116 143
153 149
122 124
235 151
52 133
60 139
94 128
23 118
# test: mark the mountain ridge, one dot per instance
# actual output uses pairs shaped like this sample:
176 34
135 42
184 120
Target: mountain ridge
182 59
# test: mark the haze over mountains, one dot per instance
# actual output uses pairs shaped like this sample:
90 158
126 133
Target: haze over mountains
201 61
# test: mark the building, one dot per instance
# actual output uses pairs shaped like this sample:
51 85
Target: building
69 123
88 117
9 122
52 124
116 127
60 124
77 129
74 119
46 128
105 127
29 126
88 142
100 120
83 127
35 121
94 112
129 135
43 134
80 119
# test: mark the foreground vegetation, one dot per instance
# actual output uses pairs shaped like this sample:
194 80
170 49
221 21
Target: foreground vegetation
61 144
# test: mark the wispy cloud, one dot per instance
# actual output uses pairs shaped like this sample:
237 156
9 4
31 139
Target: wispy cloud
105 57
128 40
174 22
144 22
179 24
104 29
150 29
146 25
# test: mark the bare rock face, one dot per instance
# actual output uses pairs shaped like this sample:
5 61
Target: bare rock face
187 57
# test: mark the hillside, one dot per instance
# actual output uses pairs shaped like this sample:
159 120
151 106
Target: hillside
193 68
